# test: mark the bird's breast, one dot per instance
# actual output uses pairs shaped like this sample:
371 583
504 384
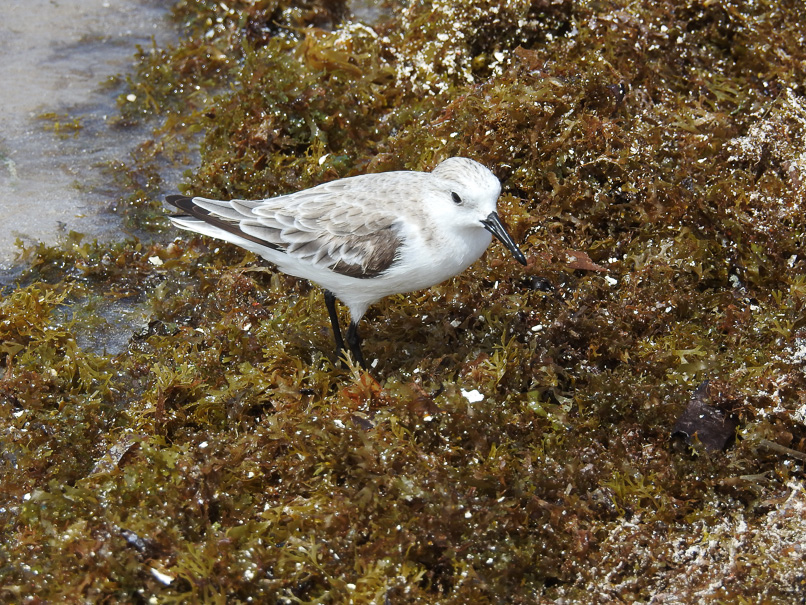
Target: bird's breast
433 258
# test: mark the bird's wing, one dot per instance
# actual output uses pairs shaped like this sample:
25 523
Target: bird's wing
345 226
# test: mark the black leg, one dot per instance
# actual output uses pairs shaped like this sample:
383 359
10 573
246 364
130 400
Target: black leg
354 342
330 303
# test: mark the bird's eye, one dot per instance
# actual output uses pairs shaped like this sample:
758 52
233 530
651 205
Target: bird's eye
456 199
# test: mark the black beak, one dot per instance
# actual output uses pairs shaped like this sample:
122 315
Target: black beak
494 225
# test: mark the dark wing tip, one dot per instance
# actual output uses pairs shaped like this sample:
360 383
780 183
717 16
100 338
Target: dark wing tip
182 202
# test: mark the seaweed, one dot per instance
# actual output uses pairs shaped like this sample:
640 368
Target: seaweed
176 429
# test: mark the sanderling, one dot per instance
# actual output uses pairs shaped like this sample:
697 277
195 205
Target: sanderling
365 237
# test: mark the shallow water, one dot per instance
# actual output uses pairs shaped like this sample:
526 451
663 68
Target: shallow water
56 57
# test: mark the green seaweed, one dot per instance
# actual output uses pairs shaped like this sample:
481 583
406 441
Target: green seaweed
651 158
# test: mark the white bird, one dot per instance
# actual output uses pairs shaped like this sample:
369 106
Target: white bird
365 237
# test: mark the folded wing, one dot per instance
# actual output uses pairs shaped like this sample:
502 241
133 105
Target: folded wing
329 226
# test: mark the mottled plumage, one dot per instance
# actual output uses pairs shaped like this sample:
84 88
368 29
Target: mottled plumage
365 237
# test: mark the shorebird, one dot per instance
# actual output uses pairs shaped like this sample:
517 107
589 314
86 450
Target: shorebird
365 237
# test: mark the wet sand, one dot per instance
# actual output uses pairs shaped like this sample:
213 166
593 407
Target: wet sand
57 54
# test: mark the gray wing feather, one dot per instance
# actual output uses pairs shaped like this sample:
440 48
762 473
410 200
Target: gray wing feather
219 208
343 225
